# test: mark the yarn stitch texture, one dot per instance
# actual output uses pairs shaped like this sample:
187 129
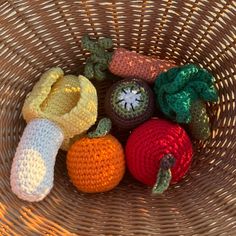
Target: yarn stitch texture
32 170
150 142
69 101
96 164
121 62
129 103
179 87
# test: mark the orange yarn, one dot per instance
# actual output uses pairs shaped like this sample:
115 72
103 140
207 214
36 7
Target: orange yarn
96 164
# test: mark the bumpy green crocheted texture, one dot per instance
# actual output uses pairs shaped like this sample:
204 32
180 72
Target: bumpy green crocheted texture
200 123
179 87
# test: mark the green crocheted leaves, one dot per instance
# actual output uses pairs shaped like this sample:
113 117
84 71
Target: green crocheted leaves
179 87
98 62
103 128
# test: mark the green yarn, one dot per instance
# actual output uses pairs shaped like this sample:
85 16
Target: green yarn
200 123
119 103
164 175
99 60
103 128
179 87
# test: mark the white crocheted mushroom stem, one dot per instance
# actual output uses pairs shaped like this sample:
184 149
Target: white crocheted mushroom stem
32 171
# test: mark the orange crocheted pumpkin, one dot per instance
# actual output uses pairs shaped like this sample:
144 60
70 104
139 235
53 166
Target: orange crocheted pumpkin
96 164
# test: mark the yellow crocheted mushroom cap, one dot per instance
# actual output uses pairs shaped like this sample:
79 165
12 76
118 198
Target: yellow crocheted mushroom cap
69 101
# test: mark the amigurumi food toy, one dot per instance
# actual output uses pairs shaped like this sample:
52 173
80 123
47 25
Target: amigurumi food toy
181 93
96 163
158 153
120 62
58 108
129 103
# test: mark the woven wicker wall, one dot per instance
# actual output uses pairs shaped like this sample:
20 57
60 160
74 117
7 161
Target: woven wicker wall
36 35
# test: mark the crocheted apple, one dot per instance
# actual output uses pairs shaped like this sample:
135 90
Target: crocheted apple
58 108
158 153
96 163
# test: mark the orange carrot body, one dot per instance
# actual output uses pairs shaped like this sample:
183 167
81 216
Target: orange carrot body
128 64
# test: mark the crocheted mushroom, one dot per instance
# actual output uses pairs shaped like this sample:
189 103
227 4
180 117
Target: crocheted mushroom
121 62
58 108
129 103
158 153
181 93
96 163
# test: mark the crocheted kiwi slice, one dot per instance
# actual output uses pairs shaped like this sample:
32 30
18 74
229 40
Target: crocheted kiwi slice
129 103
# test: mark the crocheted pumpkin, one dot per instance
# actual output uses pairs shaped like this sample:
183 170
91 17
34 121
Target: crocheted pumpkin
121 62
96 163
58 108
129 103
158 153
181 93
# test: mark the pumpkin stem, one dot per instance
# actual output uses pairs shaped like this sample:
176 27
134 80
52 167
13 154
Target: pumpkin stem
103 128
164 174
99 59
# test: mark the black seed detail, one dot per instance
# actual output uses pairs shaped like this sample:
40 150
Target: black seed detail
132 106
121 100
124 91
138 100
131 89
125 105
138 92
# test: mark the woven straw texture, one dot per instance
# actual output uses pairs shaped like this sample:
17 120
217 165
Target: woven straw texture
37 35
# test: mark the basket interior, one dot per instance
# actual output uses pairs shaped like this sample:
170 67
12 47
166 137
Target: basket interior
37 35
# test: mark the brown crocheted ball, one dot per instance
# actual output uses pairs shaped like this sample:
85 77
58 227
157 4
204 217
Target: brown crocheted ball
129 103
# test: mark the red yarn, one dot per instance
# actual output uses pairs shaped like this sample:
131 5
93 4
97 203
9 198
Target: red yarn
147 145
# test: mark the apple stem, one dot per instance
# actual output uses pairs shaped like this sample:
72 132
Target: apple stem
164 174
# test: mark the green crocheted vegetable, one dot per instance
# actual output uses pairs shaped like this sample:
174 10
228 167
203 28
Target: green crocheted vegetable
103 128
200 123
178 89
98 62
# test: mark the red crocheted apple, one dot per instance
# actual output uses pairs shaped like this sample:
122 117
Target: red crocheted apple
158 153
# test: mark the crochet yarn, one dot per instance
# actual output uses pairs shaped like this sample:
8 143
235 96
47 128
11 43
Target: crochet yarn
180 95
121 62
129 64
32 171
179 87
153 143
96 164
129 103
69 101
200 123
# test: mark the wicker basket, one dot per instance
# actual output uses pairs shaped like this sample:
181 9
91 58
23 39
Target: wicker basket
36 35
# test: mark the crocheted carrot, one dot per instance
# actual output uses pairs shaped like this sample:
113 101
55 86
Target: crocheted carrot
58 108
96 163
158 153
181 93
121 62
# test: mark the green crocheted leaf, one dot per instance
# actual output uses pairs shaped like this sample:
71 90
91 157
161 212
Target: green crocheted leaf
88 70
103 128
179 87
99 69
99 58
105 43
